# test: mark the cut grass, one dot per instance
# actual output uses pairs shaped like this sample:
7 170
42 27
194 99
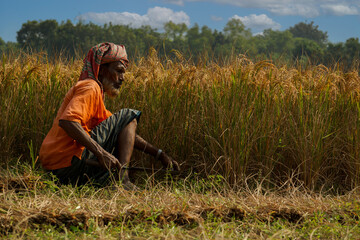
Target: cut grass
172 209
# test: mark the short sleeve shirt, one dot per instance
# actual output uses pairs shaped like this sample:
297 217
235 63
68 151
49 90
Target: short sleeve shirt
84 104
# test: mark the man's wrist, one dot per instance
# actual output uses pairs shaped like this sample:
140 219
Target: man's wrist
159 152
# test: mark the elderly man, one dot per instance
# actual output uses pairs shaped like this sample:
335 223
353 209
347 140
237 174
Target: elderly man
86 141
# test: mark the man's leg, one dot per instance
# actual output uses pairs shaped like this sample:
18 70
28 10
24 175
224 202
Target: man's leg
126 140
115 136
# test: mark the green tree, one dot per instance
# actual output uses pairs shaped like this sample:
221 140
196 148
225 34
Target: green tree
276 43
235 29
47 34
309 31
303 41
12 46
8 46
352 48
334 53
193 40
37 35
28 36
175 31
2 45
308 49
352 51
237 35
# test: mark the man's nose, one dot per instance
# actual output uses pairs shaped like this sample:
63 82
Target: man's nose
121 77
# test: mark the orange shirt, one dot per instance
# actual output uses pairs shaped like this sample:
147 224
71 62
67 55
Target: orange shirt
83 104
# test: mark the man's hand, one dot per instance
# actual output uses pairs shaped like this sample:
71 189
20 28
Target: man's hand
168 162
148 148
108 161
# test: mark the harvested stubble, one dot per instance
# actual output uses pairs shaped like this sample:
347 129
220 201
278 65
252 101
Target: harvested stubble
18 221
161 206
238 119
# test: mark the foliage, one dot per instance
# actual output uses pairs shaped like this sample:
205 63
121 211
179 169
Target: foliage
175 31
302 42
275 42
309 31
309 49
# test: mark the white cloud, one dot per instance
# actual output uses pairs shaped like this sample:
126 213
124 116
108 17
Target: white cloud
340 10
216 18
155 17
294 10
258 23
306 8
176 2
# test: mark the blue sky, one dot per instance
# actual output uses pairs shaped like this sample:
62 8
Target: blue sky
340 18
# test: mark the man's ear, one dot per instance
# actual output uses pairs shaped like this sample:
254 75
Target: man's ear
101 70
103 67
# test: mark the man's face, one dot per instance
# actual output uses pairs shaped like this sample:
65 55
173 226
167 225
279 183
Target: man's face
112 75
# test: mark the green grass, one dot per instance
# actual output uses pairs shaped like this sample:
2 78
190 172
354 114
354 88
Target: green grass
32 206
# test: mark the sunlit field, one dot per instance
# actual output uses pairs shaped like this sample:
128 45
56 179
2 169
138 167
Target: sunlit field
266 150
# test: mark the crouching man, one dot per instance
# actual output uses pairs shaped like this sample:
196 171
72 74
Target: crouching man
86 141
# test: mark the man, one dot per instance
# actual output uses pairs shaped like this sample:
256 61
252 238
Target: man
86 141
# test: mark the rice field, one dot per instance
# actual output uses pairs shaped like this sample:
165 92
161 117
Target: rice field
277 145
237 120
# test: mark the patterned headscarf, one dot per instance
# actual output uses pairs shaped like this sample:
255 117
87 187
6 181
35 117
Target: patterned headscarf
99 54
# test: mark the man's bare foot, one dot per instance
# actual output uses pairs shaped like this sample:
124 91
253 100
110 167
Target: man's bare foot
129 186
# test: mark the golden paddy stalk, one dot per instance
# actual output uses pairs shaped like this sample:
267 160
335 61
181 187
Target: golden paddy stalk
239 119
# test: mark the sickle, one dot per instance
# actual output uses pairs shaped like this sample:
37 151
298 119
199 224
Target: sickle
96 164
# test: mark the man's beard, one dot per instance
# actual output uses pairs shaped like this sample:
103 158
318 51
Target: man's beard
109 88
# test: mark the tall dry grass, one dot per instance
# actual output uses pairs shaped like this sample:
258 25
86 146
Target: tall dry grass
239 119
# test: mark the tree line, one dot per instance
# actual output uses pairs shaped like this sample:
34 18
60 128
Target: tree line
301 43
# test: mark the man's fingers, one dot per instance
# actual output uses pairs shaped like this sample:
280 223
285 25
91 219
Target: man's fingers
168 162
115 163
176 166
118 165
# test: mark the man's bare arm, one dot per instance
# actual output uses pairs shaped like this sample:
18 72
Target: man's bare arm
75 131
107 160
148 148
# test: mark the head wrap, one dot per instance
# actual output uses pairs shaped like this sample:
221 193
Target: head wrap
100 54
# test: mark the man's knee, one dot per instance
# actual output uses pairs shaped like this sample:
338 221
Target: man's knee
133 124
129 130
130 127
